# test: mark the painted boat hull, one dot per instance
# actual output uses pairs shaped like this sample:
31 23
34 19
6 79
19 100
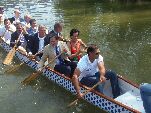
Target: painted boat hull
102 101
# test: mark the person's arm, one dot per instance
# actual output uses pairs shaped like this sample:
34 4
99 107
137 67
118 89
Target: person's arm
102 71
65 49
83 44
43 58
76 82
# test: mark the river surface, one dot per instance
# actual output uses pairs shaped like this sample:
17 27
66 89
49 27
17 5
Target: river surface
122 30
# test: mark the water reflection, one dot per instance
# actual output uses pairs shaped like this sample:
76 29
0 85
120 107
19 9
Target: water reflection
42 11
122 31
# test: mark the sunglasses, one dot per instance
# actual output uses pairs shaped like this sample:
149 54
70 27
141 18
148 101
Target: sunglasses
97 53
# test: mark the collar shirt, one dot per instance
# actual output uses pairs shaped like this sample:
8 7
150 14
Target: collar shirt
57 33
41 43
32 31
23 41
59 50
17 20
88 68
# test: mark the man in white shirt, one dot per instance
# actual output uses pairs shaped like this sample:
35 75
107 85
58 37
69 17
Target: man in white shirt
90 70
7 30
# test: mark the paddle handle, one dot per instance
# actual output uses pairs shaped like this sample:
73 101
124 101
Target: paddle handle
35 75
86 91
51 61
17 40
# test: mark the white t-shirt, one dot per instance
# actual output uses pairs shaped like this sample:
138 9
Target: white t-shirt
6 33
87 68
41 43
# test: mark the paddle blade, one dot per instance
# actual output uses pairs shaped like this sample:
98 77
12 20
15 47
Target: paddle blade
14 68
9 56
30 78
73 103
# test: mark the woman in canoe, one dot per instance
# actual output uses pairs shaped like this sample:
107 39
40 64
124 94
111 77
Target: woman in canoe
75 45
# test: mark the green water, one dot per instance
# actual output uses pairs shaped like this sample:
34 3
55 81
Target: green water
122 30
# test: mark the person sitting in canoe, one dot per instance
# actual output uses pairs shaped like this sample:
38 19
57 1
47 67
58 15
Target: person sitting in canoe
33 27
26 21
2 15
16 18
145 91
61 64
90 70
20 36
7 30
37 42
55 32
75 45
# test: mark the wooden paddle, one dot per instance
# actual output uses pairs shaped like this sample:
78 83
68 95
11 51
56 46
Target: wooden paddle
33 76
85 92
14 68
11 53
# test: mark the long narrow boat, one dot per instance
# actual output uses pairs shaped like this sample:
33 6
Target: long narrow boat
128 102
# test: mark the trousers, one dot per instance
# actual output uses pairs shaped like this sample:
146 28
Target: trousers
91 80
145 91
67 68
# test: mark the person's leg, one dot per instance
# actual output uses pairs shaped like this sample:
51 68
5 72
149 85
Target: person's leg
72 65
145 91
63 69
91 80
114 82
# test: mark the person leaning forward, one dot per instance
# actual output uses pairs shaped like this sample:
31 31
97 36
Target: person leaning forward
90 70
61 64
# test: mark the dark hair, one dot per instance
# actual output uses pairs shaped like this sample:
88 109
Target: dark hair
92 48
5 20
57 25
74 31
55 36
18 23
2 8
31 21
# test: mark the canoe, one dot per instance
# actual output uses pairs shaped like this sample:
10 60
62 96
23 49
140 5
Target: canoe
128 102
